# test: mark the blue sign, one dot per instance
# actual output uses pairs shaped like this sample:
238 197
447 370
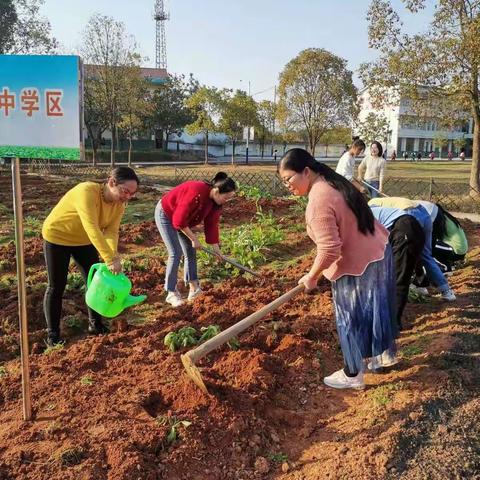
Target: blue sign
40 106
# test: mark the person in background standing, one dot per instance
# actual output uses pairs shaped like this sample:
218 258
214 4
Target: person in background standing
450 155
372 170
393 156
346 164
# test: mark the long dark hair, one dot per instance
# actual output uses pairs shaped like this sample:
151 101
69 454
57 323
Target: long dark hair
223 182
297 159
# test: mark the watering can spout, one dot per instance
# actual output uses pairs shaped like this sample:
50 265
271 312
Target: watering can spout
132 300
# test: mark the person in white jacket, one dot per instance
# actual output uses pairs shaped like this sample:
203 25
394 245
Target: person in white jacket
372 170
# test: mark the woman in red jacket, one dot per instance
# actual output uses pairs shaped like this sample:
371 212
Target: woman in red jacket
179 210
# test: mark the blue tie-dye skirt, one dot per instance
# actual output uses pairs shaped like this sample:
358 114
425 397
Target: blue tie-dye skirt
365 312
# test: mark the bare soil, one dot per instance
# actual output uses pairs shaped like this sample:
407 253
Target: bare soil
104 406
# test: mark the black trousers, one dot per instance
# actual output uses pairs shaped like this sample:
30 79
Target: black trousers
407 239
57 259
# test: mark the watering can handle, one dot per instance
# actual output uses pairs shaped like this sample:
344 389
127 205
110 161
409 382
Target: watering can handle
93 269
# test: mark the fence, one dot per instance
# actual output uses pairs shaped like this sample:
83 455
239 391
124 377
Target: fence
454 196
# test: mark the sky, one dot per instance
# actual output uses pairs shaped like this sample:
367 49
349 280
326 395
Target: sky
228 43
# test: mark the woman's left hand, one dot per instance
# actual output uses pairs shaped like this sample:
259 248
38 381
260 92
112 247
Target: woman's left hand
309 282
216 250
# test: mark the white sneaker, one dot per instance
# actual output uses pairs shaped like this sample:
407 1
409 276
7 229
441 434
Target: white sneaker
198 291
420 290
449 295
174 299
386 359
340 380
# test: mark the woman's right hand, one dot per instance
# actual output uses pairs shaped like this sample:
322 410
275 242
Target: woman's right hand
115 266
196 243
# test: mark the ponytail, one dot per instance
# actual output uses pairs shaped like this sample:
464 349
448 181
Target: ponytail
297 159
223 182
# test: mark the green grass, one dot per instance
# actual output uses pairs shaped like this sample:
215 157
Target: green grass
383 395
86 381
416 348
54 348
60 153
278 457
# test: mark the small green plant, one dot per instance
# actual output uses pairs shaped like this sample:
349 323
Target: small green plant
138 240
174 424
3 371
248 244
253 192
86 381
416 348
208 333
68 457
75 282
416 297
128 265
73 321
300 204
278 457
185 337
54 348
234 343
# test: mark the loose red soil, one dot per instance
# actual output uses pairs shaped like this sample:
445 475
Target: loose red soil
102 404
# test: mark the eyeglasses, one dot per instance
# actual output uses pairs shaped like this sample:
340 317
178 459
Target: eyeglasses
287 181
125 191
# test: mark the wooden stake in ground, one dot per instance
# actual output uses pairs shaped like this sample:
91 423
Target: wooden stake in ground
22 295
189 358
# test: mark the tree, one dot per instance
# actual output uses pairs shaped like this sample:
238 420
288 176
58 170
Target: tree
206 105
23 30
440 140
8 21
459 143
437 70
134 106
316 93
374 127
95 114
169 111
336 136
266 119
113 58
237 111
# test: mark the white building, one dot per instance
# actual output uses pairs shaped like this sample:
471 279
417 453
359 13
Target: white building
407 134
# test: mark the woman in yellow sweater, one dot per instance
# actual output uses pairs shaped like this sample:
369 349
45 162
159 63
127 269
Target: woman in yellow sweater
84 224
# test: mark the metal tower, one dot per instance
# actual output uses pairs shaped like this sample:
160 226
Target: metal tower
160 17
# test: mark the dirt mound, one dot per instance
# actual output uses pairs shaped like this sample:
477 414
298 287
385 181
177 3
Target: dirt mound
144 233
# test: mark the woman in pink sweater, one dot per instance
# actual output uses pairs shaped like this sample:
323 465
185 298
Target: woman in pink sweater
354 254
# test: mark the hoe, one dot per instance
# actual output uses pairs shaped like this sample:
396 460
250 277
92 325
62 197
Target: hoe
190 358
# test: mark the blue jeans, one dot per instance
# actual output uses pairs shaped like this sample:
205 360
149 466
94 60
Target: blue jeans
178 245
434 273
373 191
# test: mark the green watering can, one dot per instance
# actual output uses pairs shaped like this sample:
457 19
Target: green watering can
109 294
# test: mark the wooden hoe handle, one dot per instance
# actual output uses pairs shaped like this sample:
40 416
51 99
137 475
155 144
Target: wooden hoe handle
223 337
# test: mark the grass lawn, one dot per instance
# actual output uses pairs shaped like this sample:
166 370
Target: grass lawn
451 171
